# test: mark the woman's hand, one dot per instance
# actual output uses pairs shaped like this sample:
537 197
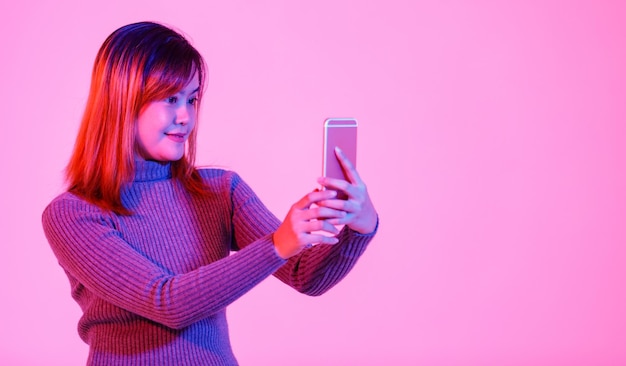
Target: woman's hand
305 222
360 214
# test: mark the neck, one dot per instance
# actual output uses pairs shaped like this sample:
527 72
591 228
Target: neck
149 170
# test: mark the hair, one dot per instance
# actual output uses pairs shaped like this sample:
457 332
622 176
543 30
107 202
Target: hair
137 64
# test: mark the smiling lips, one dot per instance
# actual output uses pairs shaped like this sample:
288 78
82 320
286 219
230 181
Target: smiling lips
176 137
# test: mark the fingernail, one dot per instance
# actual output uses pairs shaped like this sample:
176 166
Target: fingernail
337 149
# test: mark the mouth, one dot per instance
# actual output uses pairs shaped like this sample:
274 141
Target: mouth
176 137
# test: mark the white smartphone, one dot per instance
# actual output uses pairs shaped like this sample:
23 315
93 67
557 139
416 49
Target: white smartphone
338 132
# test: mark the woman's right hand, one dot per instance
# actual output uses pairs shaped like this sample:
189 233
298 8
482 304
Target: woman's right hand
303 224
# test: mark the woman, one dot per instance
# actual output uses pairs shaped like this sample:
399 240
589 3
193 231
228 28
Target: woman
145 238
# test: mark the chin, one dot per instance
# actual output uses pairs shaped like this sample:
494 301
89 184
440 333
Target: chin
174 156
166 158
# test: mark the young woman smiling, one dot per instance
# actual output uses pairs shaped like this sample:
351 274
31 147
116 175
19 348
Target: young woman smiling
145 238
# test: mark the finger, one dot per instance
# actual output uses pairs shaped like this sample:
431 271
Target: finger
346 206
338 185
320 226
313 197
333 183
348 167
321 239
322 212
342 221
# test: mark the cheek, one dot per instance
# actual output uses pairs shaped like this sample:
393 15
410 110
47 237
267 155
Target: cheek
151 124
145 135
143 129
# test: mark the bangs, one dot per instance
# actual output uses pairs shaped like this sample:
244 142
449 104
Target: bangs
170 68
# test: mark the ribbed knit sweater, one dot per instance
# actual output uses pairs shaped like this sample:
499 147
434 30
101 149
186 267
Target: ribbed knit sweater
153 286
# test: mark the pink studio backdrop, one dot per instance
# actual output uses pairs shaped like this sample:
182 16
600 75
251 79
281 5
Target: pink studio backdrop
492 138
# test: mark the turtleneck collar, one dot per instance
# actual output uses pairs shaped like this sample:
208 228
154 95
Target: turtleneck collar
146 170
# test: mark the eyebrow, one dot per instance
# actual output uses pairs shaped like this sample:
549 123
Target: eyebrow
193 91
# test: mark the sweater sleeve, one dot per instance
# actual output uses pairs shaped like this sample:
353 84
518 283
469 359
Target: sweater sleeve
314 270
318 269
91 250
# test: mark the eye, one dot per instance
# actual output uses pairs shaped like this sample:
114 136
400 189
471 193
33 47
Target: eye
172 100
193 101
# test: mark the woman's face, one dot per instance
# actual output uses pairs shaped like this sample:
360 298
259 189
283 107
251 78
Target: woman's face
164 125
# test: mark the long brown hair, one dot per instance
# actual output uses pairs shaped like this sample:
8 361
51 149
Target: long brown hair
137 64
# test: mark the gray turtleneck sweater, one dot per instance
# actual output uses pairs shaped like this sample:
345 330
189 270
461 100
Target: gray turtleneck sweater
154 286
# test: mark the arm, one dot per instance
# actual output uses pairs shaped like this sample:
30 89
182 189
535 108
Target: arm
314 270
91 249
317 269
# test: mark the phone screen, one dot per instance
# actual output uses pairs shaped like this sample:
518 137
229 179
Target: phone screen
338 132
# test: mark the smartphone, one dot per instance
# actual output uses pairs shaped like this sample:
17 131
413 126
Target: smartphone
338 132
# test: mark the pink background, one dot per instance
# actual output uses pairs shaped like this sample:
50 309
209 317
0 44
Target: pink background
492 138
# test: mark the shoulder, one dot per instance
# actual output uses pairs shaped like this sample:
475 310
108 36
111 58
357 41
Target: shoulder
219 179
66 200
68 206
208 173
226 182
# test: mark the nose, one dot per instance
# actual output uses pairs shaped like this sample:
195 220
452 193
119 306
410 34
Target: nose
183 115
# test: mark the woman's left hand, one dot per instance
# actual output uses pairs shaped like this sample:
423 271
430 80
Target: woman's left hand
360 213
